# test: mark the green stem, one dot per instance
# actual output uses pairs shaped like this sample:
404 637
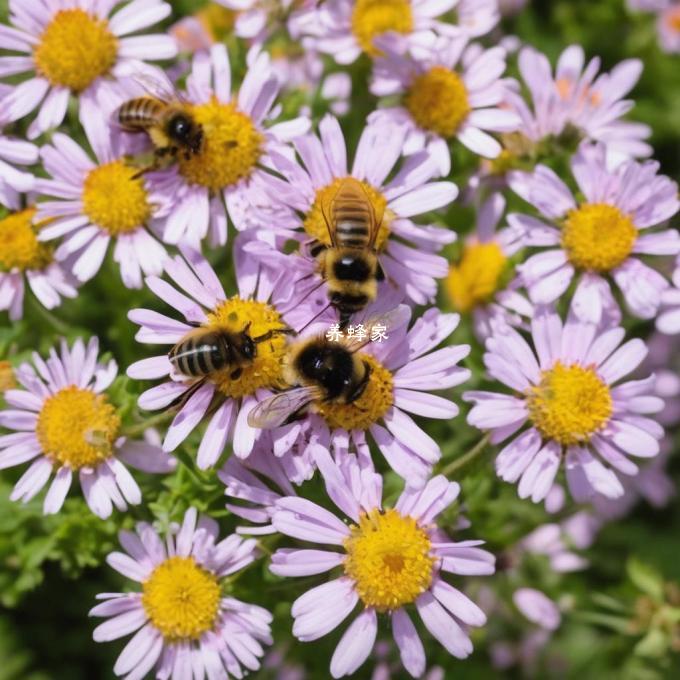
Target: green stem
140 428
57 324
455 466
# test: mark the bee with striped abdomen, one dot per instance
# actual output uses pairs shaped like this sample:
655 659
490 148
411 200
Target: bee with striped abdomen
166 117
350 265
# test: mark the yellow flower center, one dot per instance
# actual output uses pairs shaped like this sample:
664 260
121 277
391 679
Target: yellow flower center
75 49
372 18
570 404
77 427
438 101
477 277
369 407
266 370
181 599
116 200
315 224
598 237
218 21
19 245
231 147
388 557
7 379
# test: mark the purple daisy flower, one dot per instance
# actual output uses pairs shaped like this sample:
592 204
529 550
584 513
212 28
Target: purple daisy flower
204 303
14 152
577 97
404 370
566 391
75 47
215 183
390 558
24 259
599 238
65 423
346 28
452 92
183 626
84 214
407 250
668 28
479 282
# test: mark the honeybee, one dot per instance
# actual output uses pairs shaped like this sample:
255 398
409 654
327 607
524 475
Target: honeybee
203 351
350 265
324 370
166 117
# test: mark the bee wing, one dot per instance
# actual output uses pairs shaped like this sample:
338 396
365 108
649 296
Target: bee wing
389 320
326 212
376 217
275 411
158 86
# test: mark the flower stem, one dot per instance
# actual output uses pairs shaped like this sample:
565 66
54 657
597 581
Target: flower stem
141 428
58 325
455 466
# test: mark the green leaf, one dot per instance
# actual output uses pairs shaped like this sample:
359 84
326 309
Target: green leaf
645 578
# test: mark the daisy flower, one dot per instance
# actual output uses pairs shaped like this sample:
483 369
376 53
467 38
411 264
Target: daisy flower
576 97
407 250
202 29
74 47
98 200
600 238
14 152
183 626
202 302
25 259
64 422
214 183
480 281
346 28
668 28
568 406
252 16
405 368
389 558
452 92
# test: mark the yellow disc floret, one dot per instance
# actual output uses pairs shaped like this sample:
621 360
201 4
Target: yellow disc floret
570 404
181 599
75 49
438 101
116 200
372 18
77 428
372 405
19 245
388 557
477 277
315 223
7 379
231 148
598 237
266 370
218 21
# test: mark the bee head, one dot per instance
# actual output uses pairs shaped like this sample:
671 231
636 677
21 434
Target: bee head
329 364
184 130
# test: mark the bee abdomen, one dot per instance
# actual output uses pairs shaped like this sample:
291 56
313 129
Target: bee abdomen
197 357
140 113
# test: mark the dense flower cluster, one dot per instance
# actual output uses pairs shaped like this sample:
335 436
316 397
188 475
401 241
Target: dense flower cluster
259 247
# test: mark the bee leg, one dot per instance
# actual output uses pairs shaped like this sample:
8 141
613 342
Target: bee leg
236 374
316 248
380 273
361 386
186 395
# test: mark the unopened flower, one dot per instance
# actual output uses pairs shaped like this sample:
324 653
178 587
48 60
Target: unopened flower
600 238
182 622
566 391
537 607
65 423
74 47
390 558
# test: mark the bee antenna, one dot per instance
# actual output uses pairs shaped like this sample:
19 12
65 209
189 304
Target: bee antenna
314 318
